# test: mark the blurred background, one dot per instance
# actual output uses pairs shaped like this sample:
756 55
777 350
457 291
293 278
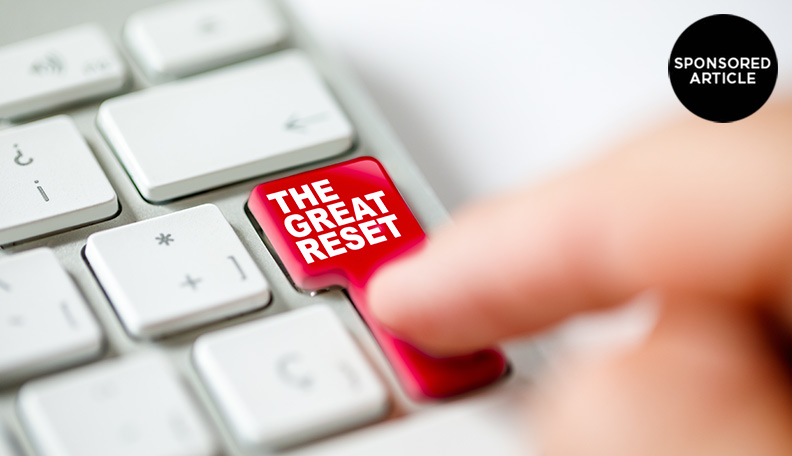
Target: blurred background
487 95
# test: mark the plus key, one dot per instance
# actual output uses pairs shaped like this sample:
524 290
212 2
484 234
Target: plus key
335 226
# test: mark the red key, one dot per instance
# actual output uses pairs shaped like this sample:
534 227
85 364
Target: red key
335 226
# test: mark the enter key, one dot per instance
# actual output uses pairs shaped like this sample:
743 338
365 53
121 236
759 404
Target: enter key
335 226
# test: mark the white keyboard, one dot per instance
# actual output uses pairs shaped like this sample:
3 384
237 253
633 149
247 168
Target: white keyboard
141 313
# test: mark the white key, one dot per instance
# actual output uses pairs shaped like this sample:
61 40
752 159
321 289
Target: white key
129 406
44 321
58 69
180 38
175 272
289 378
233 124
49 181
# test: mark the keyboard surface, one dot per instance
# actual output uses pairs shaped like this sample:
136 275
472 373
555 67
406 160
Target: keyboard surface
131 276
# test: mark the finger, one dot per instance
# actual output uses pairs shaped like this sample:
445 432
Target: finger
705 383
696 207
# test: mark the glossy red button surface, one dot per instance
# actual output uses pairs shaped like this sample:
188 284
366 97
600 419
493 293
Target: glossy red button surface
335 226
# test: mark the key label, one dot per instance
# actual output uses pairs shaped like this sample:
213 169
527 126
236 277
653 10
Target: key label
299 124
42 192
20 159
366 220
335 225
291 374
164 239
50 64
99 65
242 274
191 282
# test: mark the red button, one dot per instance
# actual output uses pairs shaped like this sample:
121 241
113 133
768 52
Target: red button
335 226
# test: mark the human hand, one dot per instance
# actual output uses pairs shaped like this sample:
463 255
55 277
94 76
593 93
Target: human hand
700 212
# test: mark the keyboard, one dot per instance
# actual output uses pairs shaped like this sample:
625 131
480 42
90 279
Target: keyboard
149 305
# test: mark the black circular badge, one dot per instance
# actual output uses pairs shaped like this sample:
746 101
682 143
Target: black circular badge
723 68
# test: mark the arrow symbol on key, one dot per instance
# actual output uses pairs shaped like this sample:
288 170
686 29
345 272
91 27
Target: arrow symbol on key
299 124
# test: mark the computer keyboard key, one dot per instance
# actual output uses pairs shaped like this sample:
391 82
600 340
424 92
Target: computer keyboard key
129 406
50 71
239 122
289 378
176 272
334 226
44 321
49 180
180 38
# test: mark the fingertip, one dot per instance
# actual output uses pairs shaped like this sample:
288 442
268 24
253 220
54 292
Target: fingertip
387 293
407 297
